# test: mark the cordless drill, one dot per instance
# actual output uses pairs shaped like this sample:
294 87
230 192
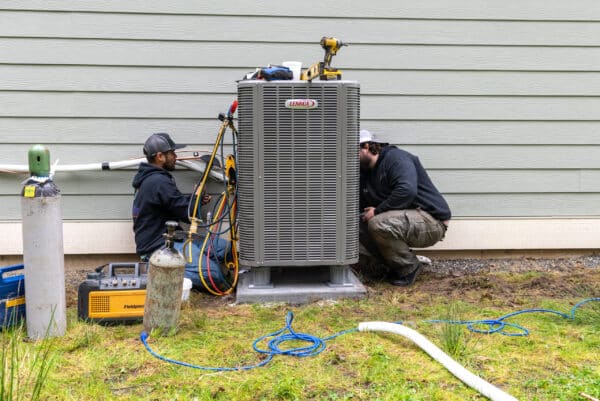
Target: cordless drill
323 69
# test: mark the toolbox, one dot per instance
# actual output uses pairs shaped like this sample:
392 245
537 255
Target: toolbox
12 295
116 295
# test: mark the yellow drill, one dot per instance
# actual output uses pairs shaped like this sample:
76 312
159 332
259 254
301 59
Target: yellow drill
323 69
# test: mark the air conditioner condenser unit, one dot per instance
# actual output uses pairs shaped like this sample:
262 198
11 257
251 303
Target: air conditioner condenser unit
298 173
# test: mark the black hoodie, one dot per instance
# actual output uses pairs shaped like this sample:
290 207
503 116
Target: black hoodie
398 181
156 201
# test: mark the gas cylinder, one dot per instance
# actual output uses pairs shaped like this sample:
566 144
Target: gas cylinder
43 252
164 287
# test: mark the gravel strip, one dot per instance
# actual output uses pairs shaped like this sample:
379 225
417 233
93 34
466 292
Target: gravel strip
459 267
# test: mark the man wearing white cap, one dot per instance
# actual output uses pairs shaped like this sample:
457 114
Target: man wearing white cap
401 208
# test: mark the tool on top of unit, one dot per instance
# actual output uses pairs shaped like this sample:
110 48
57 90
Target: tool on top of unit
12 295
116 296
323 69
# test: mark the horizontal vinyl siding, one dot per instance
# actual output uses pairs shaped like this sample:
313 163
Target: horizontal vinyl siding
449 181
237 28
97 131
413 132
80 78
558 10
380 107
107 207
500 102
248 55
434 156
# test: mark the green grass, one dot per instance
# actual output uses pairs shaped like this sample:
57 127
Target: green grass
556 362
25 366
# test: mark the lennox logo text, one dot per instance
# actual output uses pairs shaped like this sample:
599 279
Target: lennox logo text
301 104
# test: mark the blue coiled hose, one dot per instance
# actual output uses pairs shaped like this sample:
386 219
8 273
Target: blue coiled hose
279 337
316 345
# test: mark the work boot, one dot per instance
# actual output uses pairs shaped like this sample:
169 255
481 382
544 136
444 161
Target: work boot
424 260
406 280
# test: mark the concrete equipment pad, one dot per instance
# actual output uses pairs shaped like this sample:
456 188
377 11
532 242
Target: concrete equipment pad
298 284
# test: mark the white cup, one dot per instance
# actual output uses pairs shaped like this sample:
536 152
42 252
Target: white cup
187 286
295 67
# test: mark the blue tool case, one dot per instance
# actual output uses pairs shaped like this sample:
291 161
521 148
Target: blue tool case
12 295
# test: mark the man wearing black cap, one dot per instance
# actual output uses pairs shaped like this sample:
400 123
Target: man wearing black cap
157 199
401 208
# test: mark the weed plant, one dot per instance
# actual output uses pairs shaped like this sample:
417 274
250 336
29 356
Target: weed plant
25 366
453 337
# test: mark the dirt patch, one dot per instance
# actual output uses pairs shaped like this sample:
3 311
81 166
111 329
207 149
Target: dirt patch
534 277
513 280
577 282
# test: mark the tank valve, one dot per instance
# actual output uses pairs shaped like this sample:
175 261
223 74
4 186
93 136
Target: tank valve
170 234
39 161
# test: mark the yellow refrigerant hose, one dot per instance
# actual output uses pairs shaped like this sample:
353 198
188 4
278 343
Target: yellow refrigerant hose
227 122
213 288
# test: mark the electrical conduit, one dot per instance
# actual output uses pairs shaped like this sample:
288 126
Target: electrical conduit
490 391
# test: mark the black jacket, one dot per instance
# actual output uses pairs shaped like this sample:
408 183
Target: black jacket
398 181
156 201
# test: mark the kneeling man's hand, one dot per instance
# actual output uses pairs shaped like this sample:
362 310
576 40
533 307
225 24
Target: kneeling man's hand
368 213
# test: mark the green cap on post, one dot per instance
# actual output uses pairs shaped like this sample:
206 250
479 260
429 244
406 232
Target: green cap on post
39 161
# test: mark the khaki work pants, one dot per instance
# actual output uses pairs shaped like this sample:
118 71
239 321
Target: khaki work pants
389 236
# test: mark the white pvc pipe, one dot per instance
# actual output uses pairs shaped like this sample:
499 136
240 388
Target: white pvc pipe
490 391
200 166
99 166
24 168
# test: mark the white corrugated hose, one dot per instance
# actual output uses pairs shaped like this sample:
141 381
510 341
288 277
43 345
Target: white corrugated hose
475 382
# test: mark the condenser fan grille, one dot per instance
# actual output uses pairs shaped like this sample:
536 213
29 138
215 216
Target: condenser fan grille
298 173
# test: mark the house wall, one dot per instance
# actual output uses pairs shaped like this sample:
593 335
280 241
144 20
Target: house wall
500 102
